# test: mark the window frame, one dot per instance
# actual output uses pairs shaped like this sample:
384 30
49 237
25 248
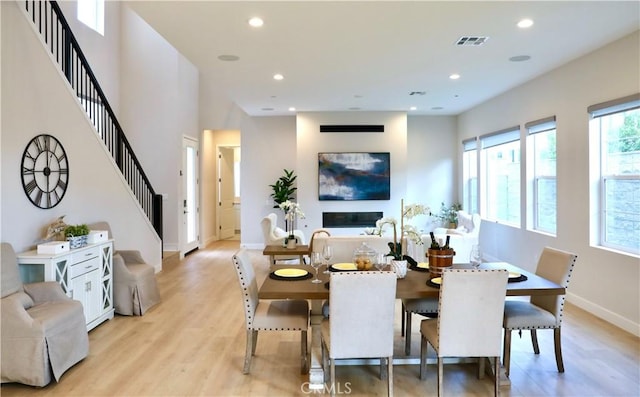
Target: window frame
533 177
468 202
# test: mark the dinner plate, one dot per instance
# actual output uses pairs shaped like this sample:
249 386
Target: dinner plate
423 265
514 275
436 280
344 266
290 272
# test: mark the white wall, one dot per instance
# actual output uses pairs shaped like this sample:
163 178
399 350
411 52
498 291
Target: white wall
36 99
604 282
159 105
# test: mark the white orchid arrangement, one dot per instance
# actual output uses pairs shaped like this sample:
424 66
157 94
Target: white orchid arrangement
291 212
410 231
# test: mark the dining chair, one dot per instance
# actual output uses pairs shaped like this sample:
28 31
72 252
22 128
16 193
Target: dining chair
360 324
268 315
424 306
542 311
471 306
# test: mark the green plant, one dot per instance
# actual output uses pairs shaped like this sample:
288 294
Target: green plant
76 230
449 214
283 189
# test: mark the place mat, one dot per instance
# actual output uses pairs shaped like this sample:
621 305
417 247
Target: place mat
420 267
274 276
432 284
516 279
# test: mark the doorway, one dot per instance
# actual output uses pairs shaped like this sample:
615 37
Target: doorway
228 192
190 233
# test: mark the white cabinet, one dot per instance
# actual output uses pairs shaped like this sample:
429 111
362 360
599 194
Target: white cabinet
85 274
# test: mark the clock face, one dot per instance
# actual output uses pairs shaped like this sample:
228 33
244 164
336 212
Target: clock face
45 171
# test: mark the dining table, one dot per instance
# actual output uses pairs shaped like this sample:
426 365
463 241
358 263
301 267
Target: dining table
414 285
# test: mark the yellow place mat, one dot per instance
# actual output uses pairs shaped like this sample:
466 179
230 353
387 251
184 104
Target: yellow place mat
290 272
514 275
437 280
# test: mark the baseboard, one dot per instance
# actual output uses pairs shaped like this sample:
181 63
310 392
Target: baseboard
606 315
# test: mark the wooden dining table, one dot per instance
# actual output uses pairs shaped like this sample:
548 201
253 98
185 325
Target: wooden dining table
413 285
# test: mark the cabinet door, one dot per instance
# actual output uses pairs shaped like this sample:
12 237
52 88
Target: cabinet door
86 289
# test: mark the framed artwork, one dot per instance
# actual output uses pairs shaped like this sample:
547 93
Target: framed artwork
354 176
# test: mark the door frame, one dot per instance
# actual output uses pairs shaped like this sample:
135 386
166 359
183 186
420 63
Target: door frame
184 247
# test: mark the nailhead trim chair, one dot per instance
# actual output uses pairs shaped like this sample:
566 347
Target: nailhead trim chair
540 312
268 315
471 306
360 324
424 306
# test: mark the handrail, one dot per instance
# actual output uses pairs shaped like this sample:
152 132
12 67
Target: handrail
60 41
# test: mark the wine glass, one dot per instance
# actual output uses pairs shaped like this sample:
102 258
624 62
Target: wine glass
381 261
475 257
327 253
316 262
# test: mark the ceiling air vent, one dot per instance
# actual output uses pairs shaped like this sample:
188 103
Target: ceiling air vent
352 128
471 40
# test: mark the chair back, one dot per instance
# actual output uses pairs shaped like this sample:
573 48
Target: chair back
361 314
471 308
9 273
270 229
554 265
248 285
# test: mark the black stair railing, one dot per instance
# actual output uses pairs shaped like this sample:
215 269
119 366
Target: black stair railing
60 41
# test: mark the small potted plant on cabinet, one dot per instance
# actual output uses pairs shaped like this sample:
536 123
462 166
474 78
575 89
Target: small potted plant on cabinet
76 235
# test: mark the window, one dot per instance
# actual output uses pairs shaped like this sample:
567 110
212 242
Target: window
91 13
500 176
541 172
470 176
615 132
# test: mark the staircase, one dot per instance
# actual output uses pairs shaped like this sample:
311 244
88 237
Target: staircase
60 41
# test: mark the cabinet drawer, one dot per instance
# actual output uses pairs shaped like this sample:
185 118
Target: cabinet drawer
84 267
84 255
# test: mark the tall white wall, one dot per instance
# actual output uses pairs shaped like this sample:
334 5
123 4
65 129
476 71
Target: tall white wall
604 282
36 99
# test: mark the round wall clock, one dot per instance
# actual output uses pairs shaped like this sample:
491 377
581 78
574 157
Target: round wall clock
45 171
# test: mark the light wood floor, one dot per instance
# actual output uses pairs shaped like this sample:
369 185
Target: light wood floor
192 344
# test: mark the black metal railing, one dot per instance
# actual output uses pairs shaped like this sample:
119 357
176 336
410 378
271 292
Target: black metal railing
60 41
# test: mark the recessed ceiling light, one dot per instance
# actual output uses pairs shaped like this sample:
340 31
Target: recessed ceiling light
278 76
454 76
292 109
525 23
256 22
520 58
413 108
228 58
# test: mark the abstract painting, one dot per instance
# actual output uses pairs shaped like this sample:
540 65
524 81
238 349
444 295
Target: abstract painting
354 176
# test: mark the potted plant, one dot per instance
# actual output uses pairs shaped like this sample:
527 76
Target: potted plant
449 215
283 189
76 235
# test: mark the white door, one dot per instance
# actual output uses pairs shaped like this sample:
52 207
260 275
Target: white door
190 194
226 193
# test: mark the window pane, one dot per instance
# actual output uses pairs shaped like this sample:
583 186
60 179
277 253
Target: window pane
503 182
470 178
544 191
622 213
621 143
546 204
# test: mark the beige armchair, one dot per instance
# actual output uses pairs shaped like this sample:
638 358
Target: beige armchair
43 332
134 281
274 235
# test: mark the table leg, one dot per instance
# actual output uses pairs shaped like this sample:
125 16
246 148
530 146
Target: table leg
316 371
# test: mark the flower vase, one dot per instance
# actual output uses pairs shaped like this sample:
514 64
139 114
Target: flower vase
291 242
399 267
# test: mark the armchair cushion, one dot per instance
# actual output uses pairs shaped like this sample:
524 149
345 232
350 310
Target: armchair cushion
46 291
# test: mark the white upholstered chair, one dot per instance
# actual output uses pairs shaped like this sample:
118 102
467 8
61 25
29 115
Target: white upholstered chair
268 315
469 321
360 324
423 306
44 332
135 289
274 235
540 312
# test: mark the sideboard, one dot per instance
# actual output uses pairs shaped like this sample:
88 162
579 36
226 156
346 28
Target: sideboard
85 274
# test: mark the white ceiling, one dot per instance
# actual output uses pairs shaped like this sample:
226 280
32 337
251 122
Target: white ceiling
370 55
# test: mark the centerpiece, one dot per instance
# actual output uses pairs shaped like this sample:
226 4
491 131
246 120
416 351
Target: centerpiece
292 211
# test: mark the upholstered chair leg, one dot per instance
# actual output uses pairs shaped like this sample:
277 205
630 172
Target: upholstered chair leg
496 372
333 377
383 369
556 340
423 358
248 353
440 375
481 367
323 350
303 352
506 351
404 313
534 341
407 336
390 376
255 342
